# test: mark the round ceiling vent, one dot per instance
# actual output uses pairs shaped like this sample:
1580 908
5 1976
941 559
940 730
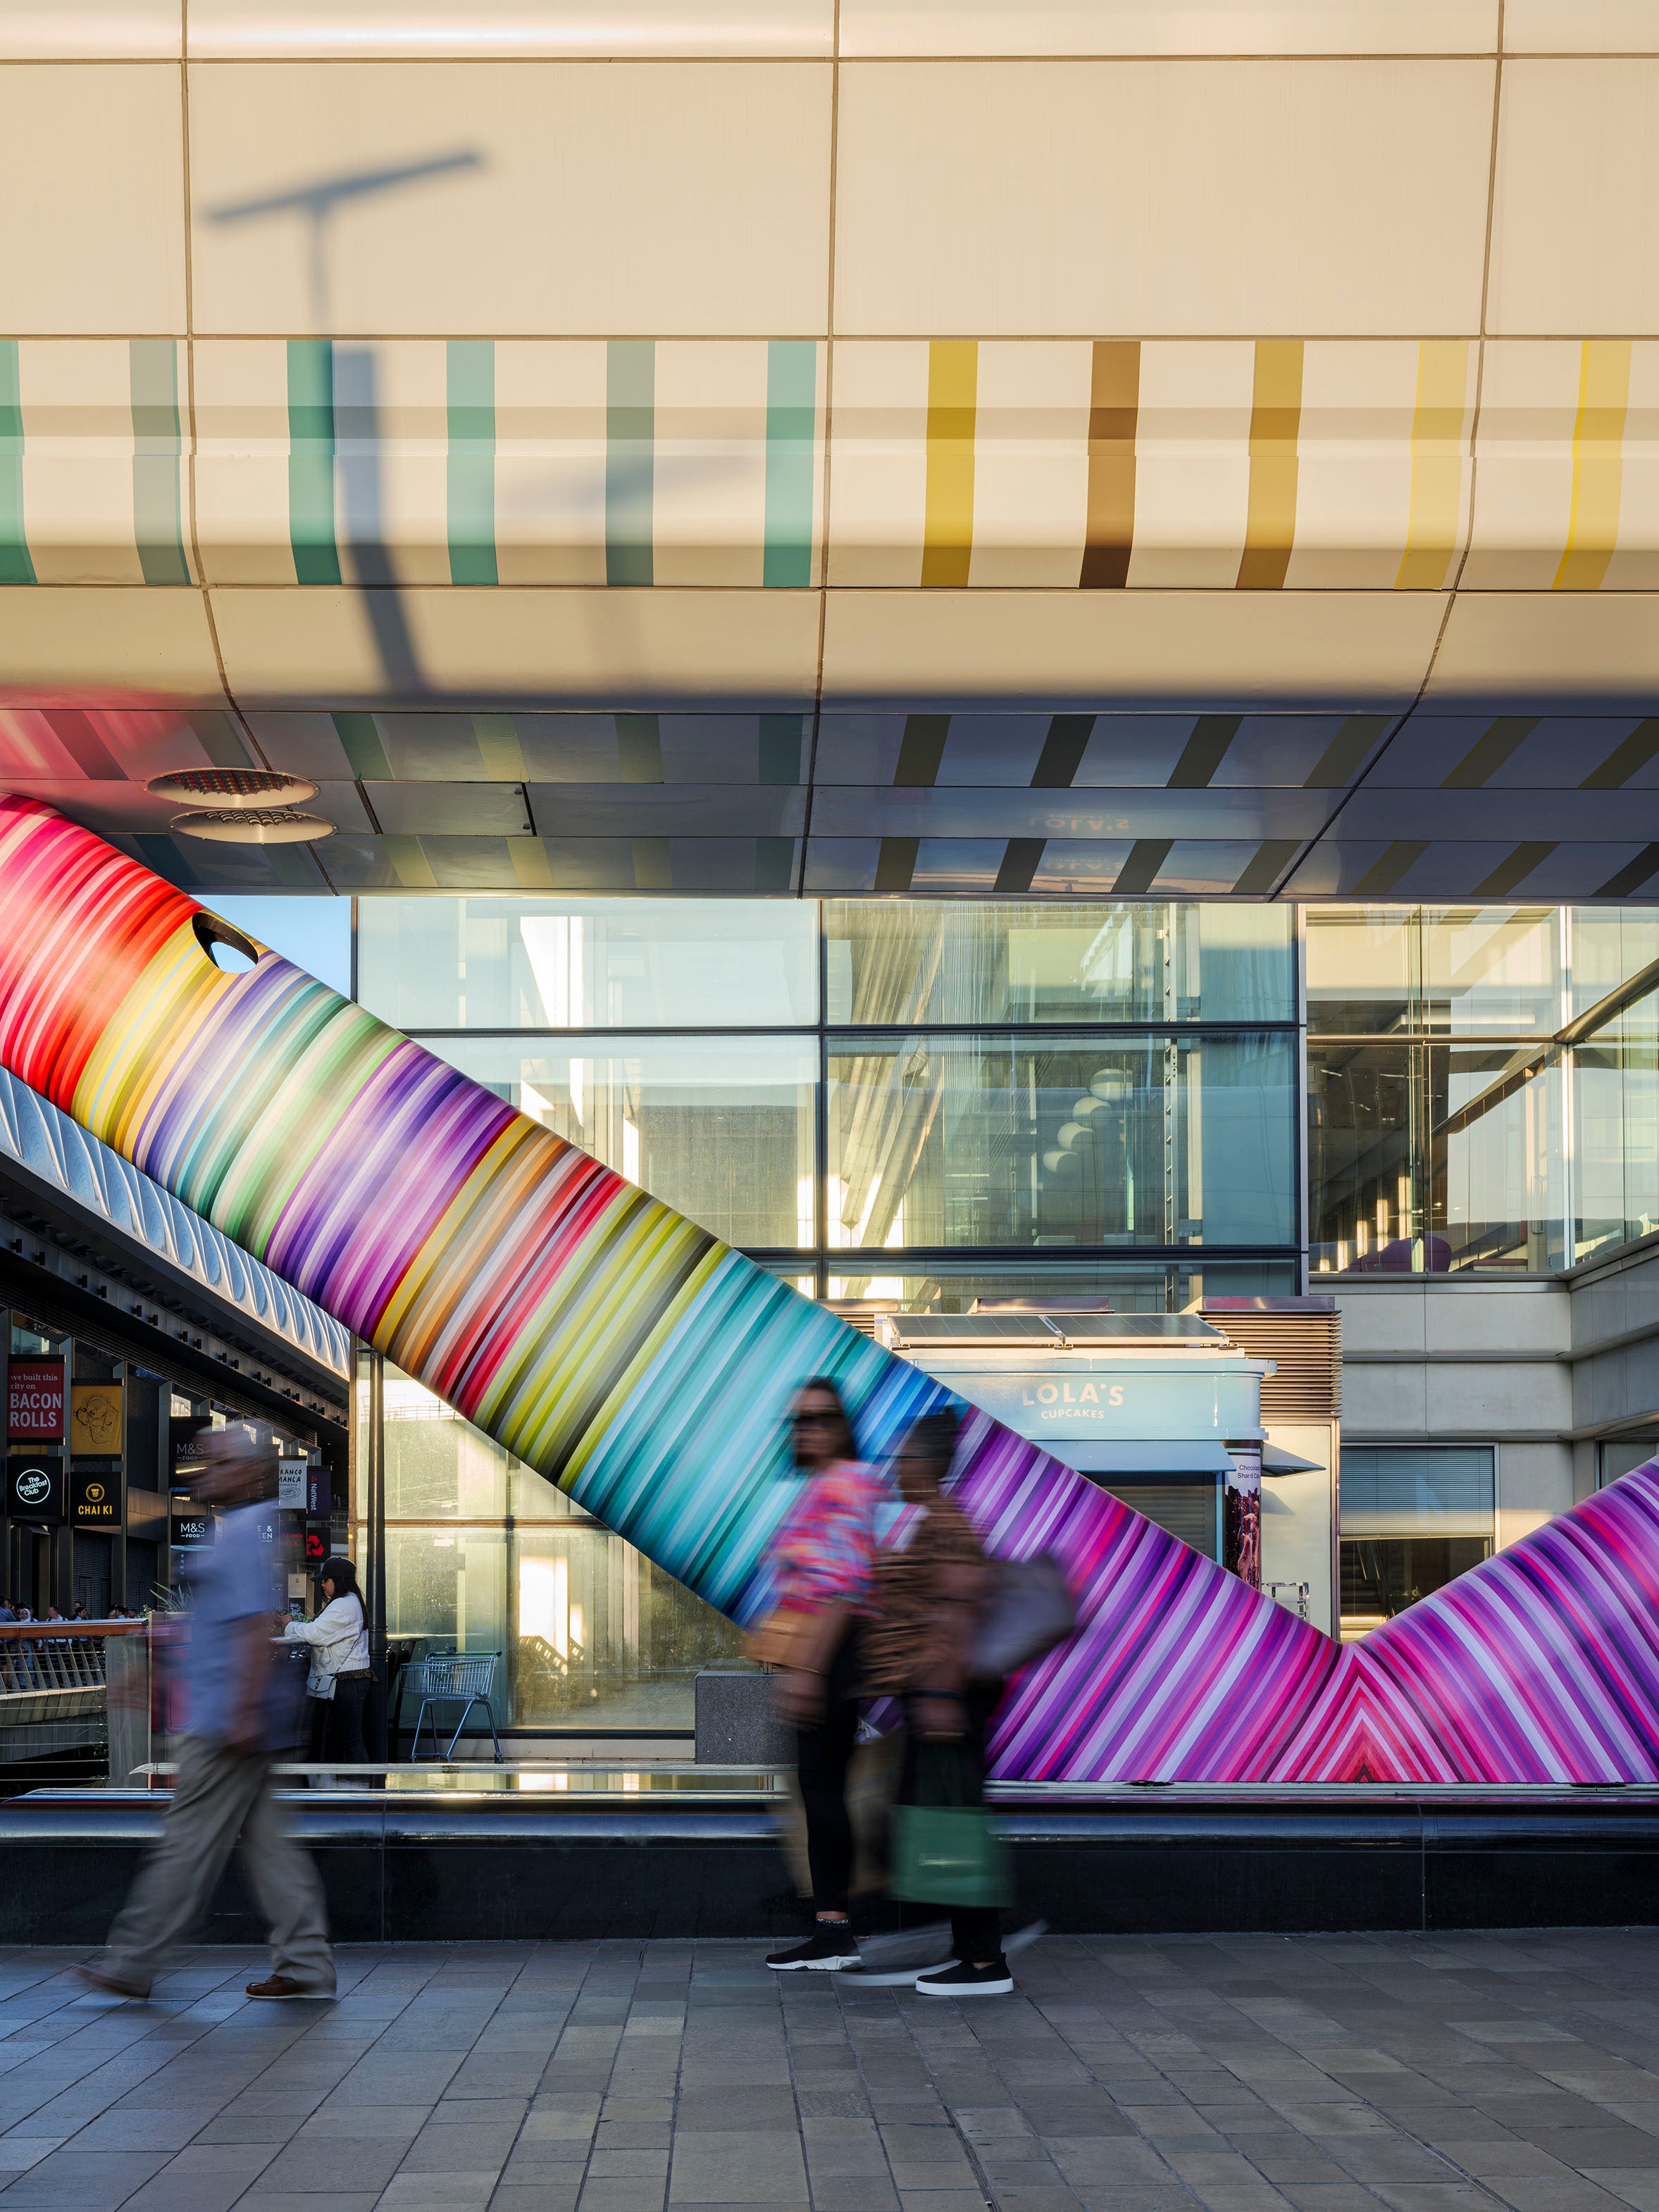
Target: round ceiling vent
261 825
232 789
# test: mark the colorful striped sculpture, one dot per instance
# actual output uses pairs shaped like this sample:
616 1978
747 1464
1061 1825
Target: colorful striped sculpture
640 1363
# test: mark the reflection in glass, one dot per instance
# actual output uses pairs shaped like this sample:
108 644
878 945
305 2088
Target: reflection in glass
719 1127
1610 946
983 1140
484 963
1473 971
1153 1287
1383 1575
1431 1158
450 1585
1616 1117
1362 968
935 962
437 1464
604 1639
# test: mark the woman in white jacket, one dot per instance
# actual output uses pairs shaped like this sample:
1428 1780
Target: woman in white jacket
338 1681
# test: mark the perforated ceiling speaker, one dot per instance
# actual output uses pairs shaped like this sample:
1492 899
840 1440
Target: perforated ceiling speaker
264 825
232 790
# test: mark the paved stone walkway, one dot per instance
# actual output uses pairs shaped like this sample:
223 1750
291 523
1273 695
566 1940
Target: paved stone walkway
1332 2073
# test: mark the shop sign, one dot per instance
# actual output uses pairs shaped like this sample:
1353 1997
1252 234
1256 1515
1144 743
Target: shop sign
95 1420
189 1531
1068 1399
94 1499
316 1547
319 1493
35 1487
35 1400
291 1485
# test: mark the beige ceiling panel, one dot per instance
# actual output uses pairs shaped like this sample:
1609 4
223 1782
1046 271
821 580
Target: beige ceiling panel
504 30
1537 647
1158 198
241 473
1572 242
519 648
91 30
92 167
1523 497
1127 649
107 646
879 463
1580 26
1165 27
657 199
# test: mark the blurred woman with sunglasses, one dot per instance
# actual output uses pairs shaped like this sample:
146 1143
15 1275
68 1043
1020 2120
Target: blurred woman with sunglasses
822 1559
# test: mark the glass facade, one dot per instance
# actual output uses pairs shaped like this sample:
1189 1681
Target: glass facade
1480 1087
924 1103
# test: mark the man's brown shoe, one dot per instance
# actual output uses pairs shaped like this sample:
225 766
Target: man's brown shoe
279 1985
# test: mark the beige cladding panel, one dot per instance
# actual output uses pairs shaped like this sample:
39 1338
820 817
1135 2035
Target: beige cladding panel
499 30
1150 198
60 646
91 174
1576 645
658 198
1575 224
1167 27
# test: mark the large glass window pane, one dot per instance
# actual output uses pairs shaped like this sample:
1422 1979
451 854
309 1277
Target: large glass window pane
1382 1574
1409 1490
437 1464
935 961
603 1638
1155 1286
1496 1195
719 1127
1362 965
1493 971
1365 1105
1616 1130
1069 1141
484 963
1610 944
450 1586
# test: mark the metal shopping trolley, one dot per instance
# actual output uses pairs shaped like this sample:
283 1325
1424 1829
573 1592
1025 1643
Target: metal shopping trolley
469 1676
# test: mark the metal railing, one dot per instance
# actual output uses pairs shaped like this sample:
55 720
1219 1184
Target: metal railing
53 1675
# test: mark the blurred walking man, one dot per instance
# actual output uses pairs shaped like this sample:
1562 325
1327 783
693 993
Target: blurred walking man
222 1795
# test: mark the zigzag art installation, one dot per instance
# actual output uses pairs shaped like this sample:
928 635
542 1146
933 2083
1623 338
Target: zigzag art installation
640 1363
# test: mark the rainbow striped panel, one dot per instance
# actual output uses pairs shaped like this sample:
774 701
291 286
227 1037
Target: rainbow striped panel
647 1368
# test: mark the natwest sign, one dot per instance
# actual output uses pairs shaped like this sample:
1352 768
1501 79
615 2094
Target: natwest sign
35 1400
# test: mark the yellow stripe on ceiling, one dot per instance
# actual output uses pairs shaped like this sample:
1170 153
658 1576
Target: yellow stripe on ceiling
1597 463
1275 420
531 869
1443 384
952 403
409 864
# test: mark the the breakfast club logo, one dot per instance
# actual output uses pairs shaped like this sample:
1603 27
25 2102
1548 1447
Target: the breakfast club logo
35 1490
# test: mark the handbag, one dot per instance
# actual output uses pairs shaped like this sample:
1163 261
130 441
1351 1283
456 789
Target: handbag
945 1849
1028 1611
795 1641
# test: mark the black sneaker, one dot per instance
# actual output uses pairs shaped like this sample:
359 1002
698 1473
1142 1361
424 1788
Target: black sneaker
966 1981
831 1947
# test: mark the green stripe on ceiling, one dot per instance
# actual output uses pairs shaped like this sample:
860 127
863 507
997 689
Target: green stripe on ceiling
471 477
221 740
16 565
153 381
792 404
311 460
360 740
630 431
779 751
163 853
639 748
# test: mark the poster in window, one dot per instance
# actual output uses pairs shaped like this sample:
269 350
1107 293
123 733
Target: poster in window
95 1420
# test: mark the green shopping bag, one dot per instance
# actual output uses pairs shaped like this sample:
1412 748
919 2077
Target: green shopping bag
944 1849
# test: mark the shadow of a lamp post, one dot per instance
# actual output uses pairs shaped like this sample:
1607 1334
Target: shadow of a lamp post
355 395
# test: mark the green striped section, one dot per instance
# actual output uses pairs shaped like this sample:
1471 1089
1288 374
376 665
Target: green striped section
16 565
473 461
153 380
311 460
166 856
360 741
631 430
792 407
220 738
